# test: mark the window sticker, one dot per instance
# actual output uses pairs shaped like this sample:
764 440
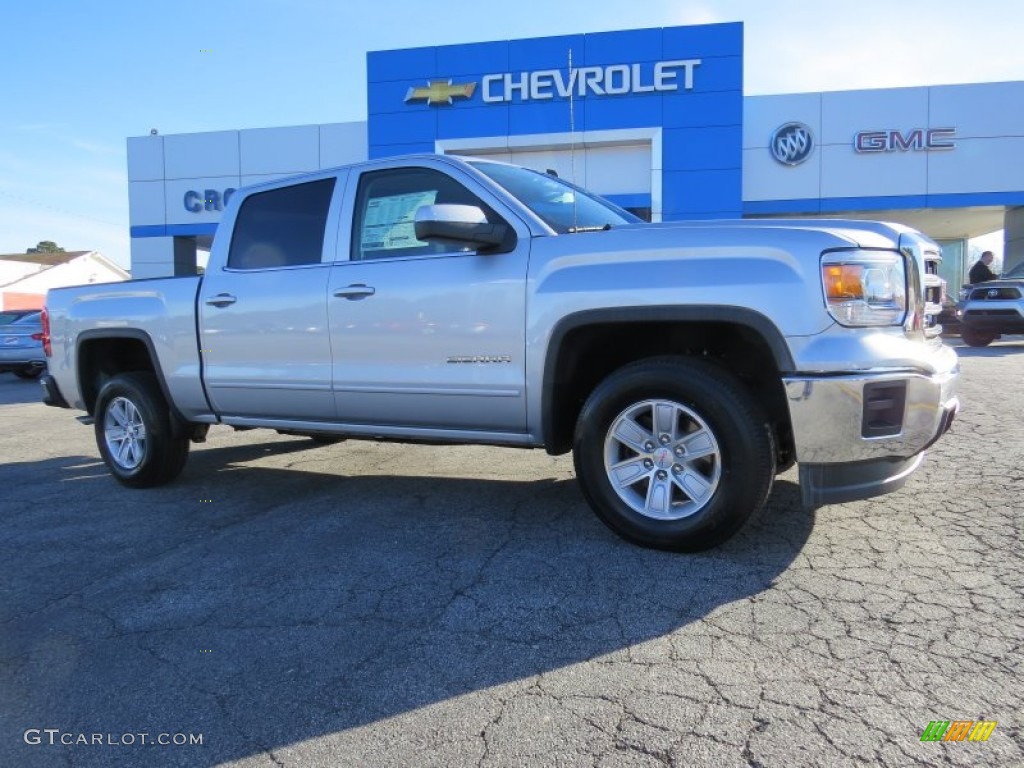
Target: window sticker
389 223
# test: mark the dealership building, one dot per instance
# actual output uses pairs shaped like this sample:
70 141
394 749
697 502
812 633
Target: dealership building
653 119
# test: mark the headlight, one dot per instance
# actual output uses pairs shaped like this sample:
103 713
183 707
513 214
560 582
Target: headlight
865 287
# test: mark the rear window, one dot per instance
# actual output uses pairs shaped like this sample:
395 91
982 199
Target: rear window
10 316
281 227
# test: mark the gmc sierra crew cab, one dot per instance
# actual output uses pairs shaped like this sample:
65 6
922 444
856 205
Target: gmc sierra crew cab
440 299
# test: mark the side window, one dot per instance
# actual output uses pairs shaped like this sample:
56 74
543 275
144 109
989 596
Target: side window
386 206
282 227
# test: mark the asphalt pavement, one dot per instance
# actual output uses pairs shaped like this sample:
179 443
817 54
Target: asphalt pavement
368 604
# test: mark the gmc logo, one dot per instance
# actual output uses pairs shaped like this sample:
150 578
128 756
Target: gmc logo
919 140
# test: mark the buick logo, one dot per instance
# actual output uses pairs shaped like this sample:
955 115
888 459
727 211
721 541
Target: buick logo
791 143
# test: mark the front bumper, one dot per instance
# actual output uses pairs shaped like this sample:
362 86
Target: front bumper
863 434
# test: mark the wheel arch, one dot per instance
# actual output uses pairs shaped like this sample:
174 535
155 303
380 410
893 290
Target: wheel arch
586 346
102 354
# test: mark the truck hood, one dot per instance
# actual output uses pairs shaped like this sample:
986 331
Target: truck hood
851 232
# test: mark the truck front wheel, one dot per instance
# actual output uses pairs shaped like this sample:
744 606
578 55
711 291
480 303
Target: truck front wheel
133 432
673 453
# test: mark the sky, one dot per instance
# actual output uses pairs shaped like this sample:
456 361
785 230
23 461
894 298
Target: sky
81 77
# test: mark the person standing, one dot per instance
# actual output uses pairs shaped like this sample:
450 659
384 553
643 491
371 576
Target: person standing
980 272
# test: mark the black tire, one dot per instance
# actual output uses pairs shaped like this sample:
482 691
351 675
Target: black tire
154 455
975 338
30 373
696 400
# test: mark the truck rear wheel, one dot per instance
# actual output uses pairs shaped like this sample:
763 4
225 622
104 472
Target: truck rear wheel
673 453
133 432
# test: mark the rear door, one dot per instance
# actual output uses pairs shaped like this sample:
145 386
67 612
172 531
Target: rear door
263 314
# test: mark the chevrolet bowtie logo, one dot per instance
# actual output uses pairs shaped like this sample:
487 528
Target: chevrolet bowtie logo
440 92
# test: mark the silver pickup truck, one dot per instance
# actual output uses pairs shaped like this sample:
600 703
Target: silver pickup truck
438 299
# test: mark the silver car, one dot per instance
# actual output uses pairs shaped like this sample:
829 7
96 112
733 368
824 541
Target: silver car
21 347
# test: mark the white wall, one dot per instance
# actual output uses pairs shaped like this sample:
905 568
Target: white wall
988 156
162 169
16 270
79 271
152 257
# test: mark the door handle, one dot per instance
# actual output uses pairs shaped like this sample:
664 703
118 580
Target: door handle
355 292
221 300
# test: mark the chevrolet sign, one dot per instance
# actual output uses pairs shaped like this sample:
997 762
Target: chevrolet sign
543 84
600 81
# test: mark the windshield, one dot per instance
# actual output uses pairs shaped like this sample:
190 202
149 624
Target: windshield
562 206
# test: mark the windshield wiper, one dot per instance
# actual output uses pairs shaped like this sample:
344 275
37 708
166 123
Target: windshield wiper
602 228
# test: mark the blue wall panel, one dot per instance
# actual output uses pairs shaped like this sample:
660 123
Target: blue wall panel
492 120
403 127
719 74
702 149
408 64
545 53
702 192
703 109
702 41
623 47
638 111
473 59
546 117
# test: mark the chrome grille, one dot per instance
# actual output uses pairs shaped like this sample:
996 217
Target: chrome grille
932 288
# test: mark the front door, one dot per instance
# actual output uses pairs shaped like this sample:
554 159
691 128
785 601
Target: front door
425 334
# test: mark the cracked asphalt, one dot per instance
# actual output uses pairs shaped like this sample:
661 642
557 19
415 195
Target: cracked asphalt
369 604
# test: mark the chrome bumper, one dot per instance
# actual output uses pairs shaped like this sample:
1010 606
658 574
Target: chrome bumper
861 435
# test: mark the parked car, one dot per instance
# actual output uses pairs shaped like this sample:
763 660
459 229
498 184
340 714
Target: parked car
986 324
991 309
21 346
